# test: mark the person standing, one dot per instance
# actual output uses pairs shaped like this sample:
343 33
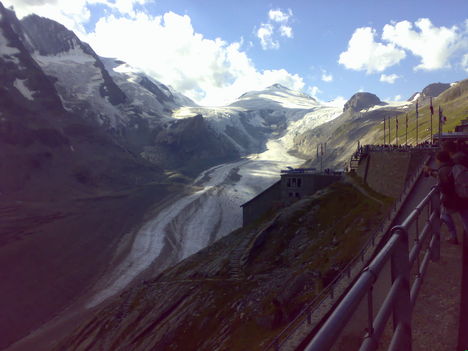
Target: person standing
450 202
459 156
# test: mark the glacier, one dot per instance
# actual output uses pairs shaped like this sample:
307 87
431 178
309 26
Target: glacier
192 222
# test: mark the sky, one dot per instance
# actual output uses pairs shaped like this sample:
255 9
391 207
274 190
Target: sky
214 51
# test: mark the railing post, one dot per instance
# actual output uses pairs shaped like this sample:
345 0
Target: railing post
402 306
435 205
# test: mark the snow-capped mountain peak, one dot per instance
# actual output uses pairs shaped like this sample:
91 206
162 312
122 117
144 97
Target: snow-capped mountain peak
275 96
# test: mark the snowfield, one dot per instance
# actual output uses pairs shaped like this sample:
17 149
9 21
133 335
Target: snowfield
23 89
192 222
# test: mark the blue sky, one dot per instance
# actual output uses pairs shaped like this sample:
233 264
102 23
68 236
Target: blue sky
213 51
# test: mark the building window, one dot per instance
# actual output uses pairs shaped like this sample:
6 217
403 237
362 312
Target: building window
294 182
289 183
299 182
290 194
297 195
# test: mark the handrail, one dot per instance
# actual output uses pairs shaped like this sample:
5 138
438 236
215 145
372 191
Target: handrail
305 315
401 297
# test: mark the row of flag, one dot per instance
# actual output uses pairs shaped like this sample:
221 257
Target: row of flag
442 120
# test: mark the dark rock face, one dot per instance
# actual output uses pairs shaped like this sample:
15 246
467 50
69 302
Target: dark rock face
360 101
435 89
189 145
49 158
60 40
153 88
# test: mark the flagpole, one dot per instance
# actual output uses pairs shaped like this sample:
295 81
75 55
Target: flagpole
389 131
384 132
440 127
432 112
417 123
406 131
321 157
396 132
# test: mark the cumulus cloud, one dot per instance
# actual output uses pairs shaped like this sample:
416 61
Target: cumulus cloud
278 23
434 45
390 79
210 71
365 54
327 77
265 34
397 98
464 62
279 15
286 31
72 14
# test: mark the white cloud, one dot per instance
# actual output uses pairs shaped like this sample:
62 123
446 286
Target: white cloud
212 72
314 91
286 31
72 14
464 62
390 79
278 23
280 16
365 54
265 34
327 77
397 98
434 45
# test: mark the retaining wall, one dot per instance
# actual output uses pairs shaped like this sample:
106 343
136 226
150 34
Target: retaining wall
387 171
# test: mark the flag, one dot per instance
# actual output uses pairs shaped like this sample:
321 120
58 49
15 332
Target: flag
442 118
317 150
396 123
432 108
321 149
417 112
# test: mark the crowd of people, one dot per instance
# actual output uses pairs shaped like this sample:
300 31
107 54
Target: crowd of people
363 149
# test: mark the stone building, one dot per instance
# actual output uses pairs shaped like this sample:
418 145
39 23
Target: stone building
294 185
298 183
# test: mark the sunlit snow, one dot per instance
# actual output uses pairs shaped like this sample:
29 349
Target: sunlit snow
23 89
193 222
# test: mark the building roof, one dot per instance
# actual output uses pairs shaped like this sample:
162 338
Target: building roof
452 135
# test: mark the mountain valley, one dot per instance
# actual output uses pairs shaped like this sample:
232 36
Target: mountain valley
120 198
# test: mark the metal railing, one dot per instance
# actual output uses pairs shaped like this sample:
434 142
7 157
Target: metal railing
401 297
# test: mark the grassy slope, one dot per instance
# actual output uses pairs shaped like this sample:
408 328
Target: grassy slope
454 103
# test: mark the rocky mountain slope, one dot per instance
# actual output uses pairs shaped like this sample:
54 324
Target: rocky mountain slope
85 139
359 115
240 292
47 150
90 145
63 181
454 104
362 120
